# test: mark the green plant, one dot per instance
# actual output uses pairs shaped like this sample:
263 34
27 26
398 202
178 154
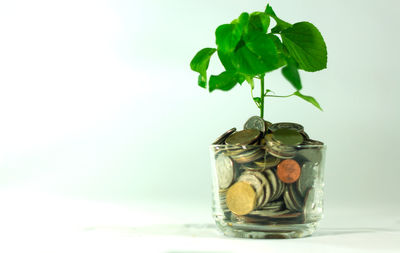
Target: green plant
248 51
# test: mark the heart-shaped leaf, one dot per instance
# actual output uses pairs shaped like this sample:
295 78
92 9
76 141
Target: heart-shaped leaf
306 45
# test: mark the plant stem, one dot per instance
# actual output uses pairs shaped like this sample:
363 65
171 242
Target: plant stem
262 97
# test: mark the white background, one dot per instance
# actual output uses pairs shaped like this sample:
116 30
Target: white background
97 100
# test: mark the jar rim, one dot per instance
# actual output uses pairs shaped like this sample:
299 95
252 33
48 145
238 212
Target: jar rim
323 146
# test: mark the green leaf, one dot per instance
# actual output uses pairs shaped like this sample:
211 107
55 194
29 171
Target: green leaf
257 100
200 64
277 42
254 55
269 11
280 24
226 60
242 22
280 48
268 91
241 78
259 21
308 99
291 73
202 82
224 81
247 62
227 37
265 54
306 45
250 81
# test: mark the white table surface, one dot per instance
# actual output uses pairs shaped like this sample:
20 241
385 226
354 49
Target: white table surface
40 222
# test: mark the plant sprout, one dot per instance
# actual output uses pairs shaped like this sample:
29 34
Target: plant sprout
249 49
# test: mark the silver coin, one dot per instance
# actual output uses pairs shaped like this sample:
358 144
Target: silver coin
280 152
283 188
255 183
269 213
248 155
269 161
277 150
234 151
225 171
295 196
281 185
221 140
275 205
286 125
251 167
288 201
267 189
265 183
274 184
288 215
255 122
292 199
307 178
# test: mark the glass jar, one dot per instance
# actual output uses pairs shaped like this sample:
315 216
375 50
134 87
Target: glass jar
264 191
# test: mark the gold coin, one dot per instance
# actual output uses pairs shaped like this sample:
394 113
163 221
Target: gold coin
241 198
288 137
244 137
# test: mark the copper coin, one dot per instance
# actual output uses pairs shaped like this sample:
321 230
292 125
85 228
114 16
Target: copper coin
288 171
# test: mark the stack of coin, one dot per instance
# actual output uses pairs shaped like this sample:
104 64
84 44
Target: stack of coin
266 173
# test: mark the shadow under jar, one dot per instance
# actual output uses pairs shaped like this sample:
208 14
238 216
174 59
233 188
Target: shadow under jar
268 191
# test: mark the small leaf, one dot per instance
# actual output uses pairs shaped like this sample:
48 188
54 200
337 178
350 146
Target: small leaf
280 24
268 91
259 21
306 45
250 81
224 81
227 37
257 100
291 73
200 64
308 99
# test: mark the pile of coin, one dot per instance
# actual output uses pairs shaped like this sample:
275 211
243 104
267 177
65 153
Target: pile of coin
266 172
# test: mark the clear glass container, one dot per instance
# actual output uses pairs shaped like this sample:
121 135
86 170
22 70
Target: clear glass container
262 191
